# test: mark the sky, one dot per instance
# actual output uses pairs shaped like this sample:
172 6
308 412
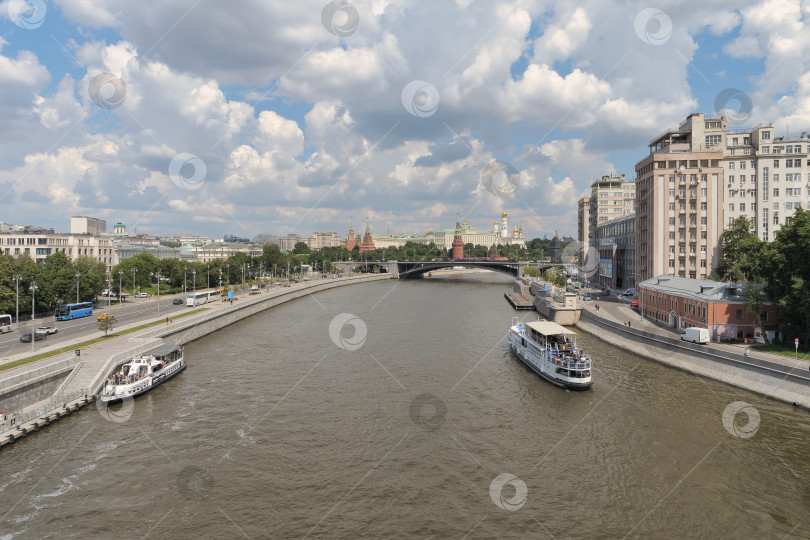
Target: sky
251 116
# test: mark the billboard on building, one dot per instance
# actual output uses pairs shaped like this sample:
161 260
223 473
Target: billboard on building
606 268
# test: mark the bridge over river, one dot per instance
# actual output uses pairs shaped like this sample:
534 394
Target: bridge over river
417 269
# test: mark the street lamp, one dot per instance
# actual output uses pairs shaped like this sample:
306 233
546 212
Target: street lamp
78 277
17 278
120 279
33 289
133 281
157 274
185 271
194 277
209 276
220 277
109 292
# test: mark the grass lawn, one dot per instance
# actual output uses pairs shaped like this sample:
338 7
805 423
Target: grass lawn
784 350
89 342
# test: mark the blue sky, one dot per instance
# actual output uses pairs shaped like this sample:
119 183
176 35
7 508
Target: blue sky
276 117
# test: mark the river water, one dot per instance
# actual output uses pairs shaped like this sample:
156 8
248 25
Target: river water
395 409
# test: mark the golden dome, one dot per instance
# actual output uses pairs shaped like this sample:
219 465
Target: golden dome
465 224
514 229
503 214
495 222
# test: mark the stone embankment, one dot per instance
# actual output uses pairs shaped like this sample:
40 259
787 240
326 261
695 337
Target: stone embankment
767 374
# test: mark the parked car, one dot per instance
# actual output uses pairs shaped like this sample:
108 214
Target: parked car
141 295
587 297
634 304
629 292
696 335
177 301
605 292
48 330
38 336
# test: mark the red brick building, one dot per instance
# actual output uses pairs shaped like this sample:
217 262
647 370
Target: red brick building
719 307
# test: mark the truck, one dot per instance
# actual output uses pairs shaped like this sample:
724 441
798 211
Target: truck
696 335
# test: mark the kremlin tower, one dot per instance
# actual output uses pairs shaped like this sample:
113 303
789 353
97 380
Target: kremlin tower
368 243
458 245
351 241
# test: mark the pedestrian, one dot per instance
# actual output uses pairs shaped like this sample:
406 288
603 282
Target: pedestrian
167 321
171 320
597 308
747 353
628 324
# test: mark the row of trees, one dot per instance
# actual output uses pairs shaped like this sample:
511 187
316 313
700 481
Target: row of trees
782 265
56 277
534 250
56 281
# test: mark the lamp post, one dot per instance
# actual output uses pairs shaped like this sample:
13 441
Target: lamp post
209 276
17 278
109 292
220 277
185 271
120 280
33 311
194 277
78 278
157 275
133 281
228 277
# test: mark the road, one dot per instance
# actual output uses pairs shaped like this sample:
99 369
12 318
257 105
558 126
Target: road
131 311
126 313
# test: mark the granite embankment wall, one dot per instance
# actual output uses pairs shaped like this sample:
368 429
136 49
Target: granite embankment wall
35 385
767 378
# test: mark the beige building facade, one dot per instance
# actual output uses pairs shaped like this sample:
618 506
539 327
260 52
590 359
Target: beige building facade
679 200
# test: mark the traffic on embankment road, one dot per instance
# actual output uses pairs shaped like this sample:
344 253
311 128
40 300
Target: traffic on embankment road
613 319
132 311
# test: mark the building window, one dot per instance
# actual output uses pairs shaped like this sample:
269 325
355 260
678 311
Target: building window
776 164
712 140
739 314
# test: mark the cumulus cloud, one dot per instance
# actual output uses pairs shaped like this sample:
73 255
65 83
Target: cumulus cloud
301 128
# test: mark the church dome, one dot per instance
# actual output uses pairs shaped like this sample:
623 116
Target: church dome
503 215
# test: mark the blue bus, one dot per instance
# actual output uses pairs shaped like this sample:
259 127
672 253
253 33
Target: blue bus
73 311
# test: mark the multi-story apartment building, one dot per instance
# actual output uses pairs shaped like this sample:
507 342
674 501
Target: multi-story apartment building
680 200
40 243
584 221
766 177
87 225
616 244
324 239
611 197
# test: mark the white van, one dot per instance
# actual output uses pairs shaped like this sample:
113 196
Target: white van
696 335
629 292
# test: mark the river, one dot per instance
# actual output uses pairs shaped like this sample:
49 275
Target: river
395 409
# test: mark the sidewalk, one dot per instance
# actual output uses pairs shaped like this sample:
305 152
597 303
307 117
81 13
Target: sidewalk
615 310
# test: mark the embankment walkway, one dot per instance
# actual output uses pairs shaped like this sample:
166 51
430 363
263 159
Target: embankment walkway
771 375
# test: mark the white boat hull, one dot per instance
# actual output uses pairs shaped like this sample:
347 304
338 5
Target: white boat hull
545 366
113 393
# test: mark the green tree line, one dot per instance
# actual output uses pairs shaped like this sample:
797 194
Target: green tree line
782 265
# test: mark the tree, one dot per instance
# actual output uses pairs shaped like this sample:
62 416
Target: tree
105 322
755 300
788 275
742 250
301 248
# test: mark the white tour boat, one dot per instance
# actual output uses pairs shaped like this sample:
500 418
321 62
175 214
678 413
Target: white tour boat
143 372
550 350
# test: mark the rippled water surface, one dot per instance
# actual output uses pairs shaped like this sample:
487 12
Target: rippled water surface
428 427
